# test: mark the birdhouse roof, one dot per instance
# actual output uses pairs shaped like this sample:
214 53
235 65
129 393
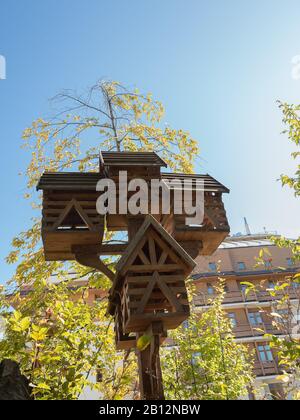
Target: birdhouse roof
209 183
149 223
83 181
130 159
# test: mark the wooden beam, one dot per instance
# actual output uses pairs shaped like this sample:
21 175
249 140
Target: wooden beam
143 257
62 216
102 249
152 251
93 261
156 267
167 291
147 295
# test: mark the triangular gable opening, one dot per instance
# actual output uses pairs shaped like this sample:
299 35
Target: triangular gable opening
160 298
73 220
73 217
154 253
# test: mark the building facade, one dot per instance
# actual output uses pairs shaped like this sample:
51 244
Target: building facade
251 311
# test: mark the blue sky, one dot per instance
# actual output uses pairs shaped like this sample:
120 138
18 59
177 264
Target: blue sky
217 66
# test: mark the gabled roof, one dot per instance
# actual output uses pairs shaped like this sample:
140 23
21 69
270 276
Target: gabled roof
209 183
130 159
151 221
69 181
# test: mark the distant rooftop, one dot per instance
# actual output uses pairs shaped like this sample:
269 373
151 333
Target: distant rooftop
243 241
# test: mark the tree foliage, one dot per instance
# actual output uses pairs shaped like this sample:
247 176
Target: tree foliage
291 120
285 314
56 334
206 363
288 346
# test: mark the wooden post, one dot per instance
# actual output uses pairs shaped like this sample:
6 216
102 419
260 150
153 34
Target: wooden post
150 376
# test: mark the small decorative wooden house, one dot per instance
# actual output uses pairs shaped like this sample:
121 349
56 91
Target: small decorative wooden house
136 165
150 281
70 218
69 213
196 240
205 238
148 294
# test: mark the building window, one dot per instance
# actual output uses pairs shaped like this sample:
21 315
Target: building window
289 262
195 358
210 289
232 318
212 266
241 265
285 315
296 284
268 263
98 298
255 318
265 353
271 284
185 324
243 287
282 312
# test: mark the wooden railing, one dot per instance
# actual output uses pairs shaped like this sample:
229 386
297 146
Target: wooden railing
265 368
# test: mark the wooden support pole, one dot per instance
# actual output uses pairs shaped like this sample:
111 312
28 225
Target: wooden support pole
150 376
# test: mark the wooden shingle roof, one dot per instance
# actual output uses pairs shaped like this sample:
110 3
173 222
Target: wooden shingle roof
88 181
209 183
130 159
69 181
121 268
151 221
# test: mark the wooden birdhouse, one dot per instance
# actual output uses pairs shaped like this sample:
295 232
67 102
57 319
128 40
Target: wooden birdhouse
136 165
150 281
148 293
204 238
70 217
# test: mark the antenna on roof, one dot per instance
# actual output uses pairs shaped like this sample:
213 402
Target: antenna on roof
247 227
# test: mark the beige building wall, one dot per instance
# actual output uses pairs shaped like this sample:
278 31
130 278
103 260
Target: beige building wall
228 258
241 306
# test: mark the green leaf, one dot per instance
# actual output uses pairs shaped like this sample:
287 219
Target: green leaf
143 342
38 333
43 386
24 323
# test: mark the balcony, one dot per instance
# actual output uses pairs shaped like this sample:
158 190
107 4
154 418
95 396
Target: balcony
265 368
248 330
238 296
